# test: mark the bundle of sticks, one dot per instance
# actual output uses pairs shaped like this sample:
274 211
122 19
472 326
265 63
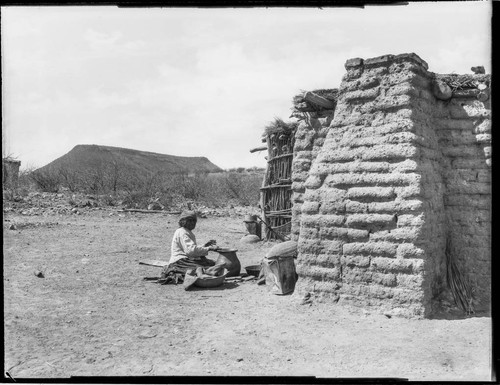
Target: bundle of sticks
459 82
461 288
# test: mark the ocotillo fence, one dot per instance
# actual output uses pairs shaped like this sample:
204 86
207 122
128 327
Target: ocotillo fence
276 191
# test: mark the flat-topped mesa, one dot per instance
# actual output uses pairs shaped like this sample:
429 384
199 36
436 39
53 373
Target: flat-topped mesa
392 189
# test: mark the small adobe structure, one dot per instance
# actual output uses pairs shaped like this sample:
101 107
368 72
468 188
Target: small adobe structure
10 172
391 188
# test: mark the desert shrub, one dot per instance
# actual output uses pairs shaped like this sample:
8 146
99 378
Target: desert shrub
114 175
134 190
93 181
167 199
8 194
23 186
237 169
140 190
233 187
214 193
46 181
135 199
109 200
192 187
245 188
25 182
100 180
256 169
70 179
213 190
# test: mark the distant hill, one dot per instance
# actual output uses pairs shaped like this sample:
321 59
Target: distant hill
85 157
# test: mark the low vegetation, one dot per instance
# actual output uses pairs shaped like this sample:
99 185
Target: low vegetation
118 186
136 179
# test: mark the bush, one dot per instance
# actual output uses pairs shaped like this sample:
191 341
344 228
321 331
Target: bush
109 200
136 200
237 169
25 181
46 181
256 170
138 191
236 188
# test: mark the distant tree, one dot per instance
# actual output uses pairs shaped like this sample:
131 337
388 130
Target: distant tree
113 176
69 178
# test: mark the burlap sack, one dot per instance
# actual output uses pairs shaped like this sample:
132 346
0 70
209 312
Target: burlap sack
284 249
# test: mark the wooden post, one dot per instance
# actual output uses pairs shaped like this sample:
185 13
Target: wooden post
264 193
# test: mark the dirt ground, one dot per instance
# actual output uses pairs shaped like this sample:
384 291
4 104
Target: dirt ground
93 314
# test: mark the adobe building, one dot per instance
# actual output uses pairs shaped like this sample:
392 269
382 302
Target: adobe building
391 188
10 172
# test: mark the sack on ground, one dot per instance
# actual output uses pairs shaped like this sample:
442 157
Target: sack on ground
284 249
280 274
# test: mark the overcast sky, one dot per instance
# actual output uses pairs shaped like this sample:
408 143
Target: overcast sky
201 82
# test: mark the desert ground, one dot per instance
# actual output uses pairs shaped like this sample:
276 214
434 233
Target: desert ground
91 313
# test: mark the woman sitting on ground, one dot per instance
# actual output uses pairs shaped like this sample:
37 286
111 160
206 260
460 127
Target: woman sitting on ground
185 253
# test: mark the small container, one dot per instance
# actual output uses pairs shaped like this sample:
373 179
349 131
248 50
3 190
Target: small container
253 226
253 270
210 282
250 218
230 260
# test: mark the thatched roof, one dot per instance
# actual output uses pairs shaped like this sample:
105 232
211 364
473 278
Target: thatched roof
278 125
463 82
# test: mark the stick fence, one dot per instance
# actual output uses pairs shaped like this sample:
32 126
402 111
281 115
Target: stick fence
276 191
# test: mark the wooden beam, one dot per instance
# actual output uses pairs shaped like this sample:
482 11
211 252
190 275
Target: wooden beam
153 262
276 186
287 211
256 149
281 157
319 100
278 235
278 215
148 211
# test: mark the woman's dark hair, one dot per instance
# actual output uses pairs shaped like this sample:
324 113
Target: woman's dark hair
184 221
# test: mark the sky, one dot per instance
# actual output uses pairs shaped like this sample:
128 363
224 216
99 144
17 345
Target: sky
201 82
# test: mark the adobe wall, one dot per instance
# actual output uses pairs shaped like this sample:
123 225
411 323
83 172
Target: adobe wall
309 139
398 173
10 173
463 127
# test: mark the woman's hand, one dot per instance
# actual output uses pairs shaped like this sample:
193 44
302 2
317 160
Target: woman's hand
210 243
213 248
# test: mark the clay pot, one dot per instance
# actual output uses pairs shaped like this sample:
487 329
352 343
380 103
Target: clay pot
250 218
231 261
253 227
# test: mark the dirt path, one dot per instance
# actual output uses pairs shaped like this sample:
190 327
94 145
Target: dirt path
93 314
